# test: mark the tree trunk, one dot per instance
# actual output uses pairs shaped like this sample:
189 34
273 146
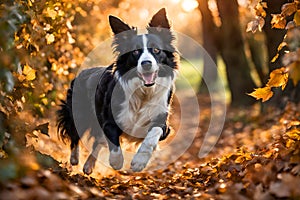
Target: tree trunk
258 56
273 38
232 51
209 30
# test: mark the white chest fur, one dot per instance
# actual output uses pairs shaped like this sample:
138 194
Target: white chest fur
142 105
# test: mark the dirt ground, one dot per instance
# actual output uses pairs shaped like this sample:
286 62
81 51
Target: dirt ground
256 157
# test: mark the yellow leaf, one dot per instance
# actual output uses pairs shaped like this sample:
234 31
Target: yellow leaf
275 58
294 134
278 78
289 143
297 18
239 159
61 13
281 45
295 72
51 13
264 93
50 38
45 101
29 73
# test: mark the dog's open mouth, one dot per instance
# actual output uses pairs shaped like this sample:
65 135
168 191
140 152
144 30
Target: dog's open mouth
148 78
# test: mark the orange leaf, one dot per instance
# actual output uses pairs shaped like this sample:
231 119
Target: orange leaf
294 134
278 21
278 78
260 11
264 93
297 18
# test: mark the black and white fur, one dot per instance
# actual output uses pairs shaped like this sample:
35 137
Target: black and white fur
132 96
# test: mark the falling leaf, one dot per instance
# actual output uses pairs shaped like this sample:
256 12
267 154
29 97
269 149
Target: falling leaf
297 18
288 9
256 24
259 9
281 45
275 58
264 93
278 78
29 73
50 38
278 21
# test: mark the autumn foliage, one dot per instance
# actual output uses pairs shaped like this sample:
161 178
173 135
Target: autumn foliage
42 46
291 58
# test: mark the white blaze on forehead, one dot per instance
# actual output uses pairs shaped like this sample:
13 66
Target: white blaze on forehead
146 56
145 42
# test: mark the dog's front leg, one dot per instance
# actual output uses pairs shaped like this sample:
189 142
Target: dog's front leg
112 133
146 149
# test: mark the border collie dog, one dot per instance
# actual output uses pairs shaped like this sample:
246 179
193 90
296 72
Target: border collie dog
130 97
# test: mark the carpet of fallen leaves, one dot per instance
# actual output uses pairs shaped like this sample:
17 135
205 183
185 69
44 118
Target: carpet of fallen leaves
257 157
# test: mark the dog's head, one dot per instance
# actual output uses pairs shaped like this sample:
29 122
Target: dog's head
147 56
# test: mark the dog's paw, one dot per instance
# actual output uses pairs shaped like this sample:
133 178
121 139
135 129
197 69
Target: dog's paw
116 159
74 161
140 161
74 157
89 165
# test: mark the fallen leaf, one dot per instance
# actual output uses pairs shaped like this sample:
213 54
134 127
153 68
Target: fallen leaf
50 38
280 190
29 73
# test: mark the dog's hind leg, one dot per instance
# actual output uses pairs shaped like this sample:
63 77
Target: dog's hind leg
74 155
98 144
74 147
91 160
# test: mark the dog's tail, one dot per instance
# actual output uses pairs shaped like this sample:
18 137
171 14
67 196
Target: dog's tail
65 122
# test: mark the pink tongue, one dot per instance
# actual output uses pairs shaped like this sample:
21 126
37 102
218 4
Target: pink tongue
148 78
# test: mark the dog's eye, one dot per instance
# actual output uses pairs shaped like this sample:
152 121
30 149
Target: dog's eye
156 50
136 52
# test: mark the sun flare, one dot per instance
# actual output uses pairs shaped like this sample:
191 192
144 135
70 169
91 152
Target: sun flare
189 5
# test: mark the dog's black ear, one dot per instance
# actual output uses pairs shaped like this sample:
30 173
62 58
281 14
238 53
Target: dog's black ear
160 20
118 25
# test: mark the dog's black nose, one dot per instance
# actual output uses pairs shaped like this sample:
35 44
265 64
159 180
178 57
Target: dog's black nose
146 65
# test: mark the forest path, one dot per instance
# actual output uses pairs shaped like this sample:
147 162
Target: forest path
256 157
